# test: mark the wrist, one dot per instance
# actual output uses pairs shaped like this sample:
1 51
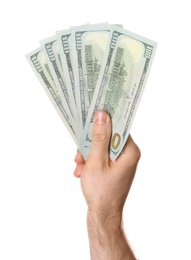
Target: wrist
103 219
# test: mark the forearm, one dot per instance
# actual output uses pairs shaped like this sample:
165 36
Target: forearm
106 237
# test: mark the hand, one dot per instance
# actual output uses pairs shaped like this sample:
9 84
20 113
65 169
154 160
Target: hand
105 183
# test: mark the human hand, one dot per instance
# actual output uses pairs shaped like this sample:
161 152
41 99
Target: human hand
106 183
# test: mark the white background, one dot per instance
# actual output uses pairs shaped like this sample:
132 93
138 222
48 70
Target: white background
42 209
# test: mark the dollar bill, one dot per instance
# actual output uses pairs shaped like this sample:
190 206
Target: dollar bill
120 86
39 64
89 44
52 53
64 44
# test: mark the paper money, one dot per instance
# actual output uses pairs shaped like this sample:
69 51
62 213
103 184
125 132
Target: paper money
50 48
120 86
88 48
40 67
94 67
64 44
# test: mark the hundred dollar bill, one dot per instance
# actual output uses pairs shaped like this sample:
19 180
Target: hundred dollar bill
88 47
40 67
64 45
120 86
50 48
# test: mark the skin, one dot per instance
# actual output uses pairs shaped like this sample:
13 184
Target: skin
105 185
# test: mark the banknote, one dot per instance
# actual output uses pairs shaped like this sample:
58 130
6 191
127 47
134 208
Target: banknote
50 48
64 44
120 85
39 64
94 67
89 44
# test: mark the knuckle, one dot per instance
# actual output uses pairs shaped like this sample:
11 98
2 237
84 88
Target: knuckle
99 138
135 155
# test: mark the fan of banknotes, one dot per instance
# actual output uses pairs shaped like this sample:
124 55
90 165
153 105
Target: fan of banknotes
94 67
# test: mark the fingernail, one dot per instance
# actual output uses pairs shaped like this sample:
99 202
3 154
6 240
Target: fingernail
100 117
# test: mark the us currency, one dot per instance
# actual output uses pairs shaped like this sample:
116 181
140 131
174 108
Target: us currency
50 48
40 66
64 45
120 86
88 47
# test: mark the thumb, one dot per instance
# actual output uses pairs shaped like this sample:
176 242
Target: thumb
101 133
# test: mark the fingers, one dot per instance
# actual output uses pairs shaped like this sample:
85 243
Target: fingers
78 170
131 152
132 147
79 158
101 133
